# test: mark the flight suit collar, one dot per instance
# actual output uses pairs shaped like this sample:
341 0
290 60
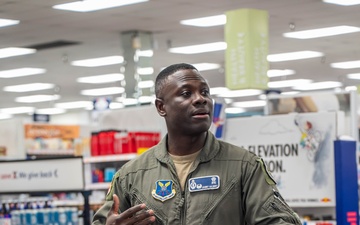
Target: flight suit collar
208 152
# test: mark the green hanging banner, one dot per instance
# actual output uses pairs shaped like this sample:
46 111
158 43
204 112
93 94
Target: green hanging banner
247 37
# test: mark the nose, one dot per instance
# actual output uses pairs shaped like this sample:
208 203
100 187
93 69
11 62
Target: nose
199 99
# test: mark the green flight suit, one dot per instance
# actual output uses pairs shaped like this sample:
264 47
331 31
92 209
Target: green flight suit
241 192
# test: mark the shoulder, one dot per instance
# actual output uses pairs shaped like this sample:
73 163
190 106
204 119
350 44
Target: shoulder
233 152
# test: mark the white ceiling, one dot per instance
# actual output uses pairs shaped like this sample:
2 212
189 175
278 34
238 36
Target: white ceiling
98 34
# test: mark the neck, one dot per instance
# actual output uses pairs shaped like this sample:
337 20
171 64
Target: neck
185 145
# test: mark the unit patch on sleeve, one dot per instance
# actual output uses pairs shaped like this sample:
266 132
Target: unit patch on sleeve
164 190
204 183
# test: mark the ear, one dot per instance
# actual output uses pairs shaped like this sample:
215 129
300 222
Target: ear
159 103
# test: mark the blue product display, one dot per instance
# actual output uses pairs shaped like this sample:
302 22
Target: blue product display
347 197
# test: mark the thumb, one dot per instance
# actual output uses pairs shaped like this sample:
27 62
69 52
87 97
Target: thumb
116 204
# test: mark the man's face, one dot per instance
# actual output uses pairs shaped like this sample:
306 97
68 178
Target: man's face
186 103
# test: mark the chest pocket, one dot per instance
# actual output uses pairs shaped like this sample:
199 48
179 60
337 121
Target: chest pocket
223 204
138 198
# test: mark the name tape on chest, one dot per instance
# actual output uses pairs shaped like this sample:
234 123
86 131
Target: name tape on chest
204 183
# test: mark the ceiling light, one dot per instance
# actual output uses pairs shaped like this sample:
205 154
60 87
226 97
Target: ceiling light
234 110
346 65
145 53
103 91
74 105
145 71
240 93
290 93
4 116
93 5
355 76
127 101
13 51
21 72
208 21
116 105
206 66
321 32
100 79
288 83
7 22
343 2
102 61
146 99
279 73
146 84
28 87
218 90
17 110
318 86
50 111
249 104
351 88
195 49
37 98
293 56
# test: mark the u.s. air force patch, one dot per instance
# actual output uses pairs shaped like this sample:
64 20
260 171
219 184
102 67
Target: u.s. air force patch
164 190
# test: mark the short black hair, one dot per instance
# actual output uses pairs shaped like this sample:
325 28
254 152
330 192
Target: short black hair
161 77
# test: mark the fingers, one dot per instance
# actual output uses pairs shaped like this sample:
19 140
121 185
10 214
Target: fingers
137 215
116 204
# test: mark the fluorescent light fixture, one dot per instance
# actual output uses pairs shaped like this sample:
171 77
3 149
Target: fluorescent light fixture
127 101
195 49
279 73
50 111
249 104
21 72
145 71
208 21
103 91
7 22
145 53
102 61
146 84
234 110
288 83
146 99
74 105
116 105
343 2
318 86
322 32
206 66
355 76
346 65
37 98
240 93
293 56
17 110
218 90
13 51
93 5
28 87
290 93
5 116
350 88
101 79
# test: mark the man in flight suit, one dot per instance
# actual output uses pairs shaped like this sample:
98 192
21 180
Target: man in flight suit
190 177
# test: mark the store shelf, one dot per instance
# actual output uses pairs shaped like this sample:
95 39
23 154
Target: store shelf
59 203
50 152
98 186
109 158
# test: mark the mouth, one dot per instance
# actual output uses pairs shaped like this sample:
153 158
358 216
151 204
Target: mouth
201 114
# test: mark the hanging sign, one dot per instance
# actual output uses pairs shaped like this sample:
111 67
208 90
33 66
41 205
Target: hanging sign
246 36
